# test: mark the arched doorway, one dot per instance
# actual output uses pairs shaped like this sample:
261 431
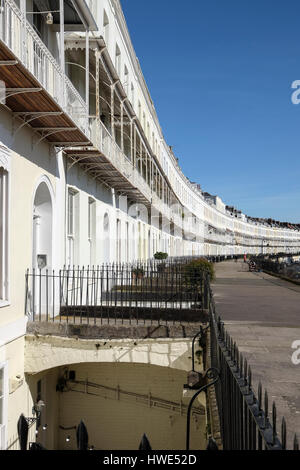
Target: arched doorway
42 228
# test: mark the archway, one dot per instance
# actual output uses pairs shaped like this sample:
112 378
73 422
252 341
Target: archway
42 228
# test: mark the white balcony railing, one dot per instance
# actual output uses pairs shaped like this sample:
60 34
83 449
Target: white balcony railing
27 46
103 140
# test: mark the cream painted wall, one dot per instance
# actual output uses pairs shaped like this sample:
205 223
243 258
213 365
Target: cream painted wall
48 352
118 421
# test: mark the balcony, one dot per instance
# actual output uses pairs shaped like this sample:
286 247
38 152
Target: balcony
37 89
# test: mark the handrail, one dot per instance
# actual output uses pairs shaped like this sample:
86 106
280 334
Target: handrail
30 50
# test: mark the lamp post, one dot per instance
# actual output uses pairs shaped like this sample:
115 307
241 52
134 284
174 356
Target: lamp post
25 423
213 374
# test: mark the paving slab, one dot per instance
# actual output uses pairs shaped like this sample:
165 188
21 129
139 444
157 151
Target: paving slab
262 314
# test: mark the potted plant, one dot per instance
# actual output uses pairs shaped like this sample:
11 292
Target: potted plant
138 273
195 273
160 256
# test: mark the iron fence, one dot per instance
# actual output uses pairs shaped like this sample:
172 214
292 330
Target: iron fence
287 268
160 292
247 423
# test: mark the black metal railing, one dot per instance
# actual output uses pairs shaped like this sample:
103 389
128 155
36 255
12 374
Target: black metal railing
286 268
155 291
245 419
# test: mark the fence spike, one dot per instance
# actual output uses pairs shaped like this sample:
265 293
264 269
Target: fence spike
274 421
296 443
260 395
245 368
283 433
266 407
249 377
241 365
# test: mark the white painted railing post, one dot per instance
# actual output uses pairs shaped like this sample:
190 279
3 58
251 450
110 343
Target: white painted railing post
62 50
87 73
23 31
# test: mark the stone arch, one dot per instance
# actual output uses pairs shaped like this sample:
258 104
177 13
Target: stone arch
42 220
43 353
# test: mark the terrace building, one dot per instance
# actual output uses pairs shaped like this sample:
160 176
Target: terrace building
87 178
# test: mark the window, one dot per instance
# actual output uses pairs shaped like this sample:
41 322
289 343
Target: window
140 112
72 226
3 404
106 27
3 234
1 395
118 245
126 80
118 60
132 95
91 227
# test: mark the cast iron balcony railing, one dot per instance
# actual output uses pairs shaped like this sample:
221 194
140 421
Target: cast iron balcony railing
104 142
20 37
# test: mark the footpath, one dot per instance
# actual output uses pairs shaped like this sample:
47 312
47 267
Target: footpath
262 314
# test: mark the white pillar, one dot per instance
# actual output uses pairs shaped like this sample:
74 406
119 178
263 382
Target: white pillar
62 48
87 72
23 30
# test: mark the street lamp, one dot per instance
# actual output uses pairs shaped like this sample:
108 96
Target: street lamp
214 375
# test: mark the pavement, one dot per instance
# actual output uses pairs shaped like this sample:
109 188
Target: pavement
262 314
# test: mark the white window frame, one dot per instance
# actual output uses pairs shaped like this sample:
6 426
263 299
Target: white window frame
132 91
71 234
91 226
106 27
118 60
4 403
126 80
4 235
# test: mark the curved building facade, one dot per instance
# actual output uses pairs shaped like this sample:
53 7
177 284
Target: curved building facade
86 176
167 211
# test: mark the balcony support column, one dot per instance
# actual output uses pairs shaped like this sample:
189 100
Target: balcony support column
87 72
62 48
134 143
146 163
112 109
122 125
23 29
141 157
97 53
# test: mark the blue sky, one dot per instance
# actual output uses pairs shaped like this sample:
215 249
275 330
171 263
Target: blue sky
220 75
